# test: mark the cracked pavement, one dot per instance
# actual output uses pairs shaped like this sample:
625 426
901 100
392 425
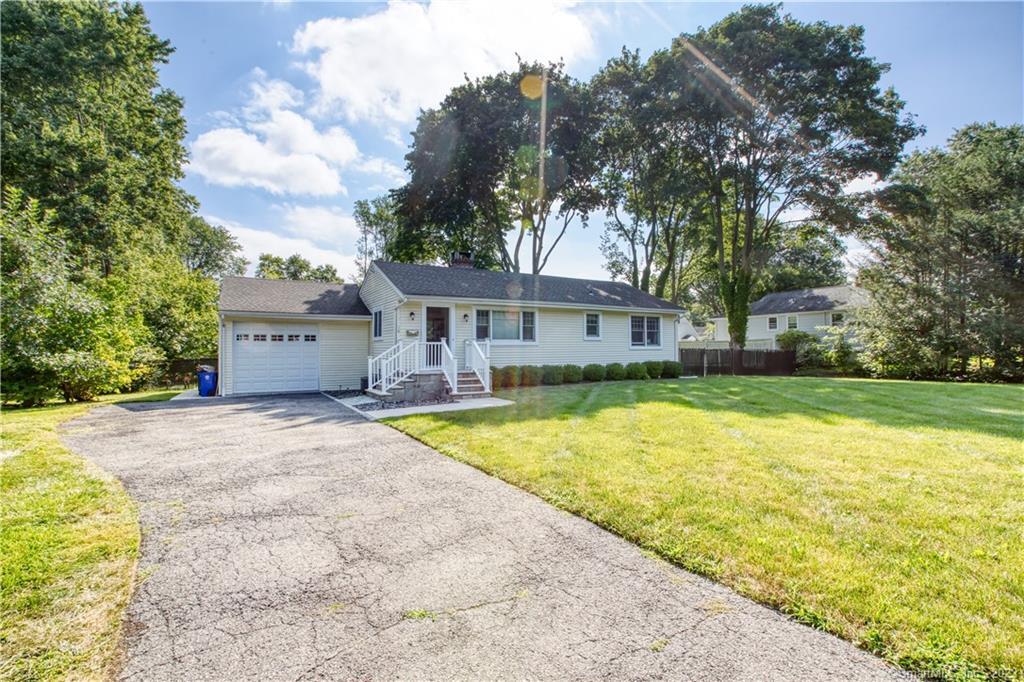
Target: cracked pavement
285 538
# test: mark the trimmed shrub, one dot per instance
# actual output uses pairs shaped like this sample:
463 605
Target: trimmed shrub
672 369
505 377
511 378
615 372
636 370
594 372
530 375
572 374
553 375
654 368
793 339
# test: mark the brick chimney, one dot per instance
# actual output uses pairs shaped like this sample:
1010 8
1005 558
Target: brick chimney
461 259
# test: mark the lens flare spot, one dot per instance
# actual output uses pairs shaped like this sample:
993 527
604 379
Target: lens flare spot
531 85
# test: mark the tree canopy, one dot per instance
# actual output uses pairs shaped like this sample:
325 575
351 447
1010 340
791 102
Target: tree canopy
93 152
946 271
294 267
474 167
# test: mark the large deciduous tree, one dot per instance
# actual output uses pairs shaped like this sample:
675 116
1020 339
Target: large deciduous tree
645 175
474 168
88 130
294 267
778 115
378 228
211 250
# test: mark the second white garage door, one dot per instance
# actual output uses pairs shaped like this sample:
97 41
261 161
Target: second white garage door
275 358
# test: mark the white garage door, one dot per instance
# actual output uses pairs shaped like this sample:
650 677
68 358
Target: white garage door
275 358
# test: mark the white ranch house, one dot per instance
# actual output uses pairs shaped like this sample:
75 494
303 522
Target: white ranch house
405 320
808 310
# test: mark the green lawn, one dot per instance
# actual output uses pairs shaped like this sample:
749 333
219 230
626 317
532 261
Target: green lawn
68 541
889 513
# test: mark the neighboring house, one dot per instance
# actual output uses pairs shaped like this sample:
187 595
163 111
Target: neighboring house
279 336
808 310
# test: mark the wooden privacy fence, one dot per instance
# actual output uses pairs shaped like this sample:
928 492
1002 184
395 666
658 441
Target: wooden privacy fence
708 361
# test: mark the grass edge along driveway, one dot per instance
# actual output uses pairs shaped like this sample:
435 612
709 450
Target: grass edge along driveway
885 512
69 540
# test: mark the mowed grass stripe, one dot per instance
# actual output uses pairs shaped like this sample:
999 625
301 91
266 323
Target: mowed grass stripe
885 520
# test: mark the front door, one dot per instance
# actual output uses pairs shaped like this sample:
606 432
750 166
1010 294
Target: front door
437 324
437 330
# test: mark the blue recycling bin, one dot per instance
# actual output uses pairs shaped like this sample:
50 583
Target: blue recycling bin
207 383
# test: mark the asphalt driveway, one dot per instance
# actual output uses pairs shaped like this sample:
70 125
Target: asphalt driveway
285 538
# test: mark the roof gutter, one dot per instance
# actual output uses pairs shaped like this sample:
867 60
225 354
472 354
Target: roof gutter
306 317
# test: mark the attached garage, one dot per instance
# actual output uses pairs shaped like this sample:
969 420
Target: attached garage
291 337
275 358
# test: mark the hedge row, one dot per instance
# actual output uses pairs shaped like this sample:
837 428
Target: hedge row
550 375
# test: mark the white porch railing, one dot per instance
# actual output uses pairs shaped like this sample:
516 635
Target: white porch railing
403 360
392 366
479 362
448 366
431 355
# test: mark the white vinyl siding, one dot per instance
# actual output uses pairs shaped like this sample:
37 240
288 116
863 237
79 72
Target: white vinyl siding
559 340
378 294
344 347
759 327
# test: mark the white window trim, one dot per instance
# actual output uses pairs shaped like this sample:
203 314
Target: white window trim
373 323
769 323
509 342
600 326
796 320
832 317
629 332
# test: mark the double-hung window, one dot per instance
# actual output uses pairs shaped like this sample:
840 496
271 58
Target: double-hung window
773 323
506 325
837 319
378 324
592 326
644 331
791 322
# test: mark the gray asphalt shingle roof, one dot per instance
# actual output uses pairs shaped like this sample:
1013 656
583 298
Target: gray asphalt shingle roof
254 295
463 282
810 300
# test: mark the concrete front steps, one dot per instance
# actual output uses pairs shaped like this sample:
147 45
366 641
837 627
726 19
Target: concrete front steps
430 386
469 386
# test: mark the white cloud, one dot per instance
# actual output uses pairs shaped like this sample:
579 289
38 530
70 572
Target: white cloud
320 224
286 132
374 165
272 147
235 158
386 66
270 94
254 242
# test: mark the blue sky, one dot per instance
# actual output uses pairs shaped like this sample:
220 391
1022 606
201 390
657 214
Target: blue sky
296 110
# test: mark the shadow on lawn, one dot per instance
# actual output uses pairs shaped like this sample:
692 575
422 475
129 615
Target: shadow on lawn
992 410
